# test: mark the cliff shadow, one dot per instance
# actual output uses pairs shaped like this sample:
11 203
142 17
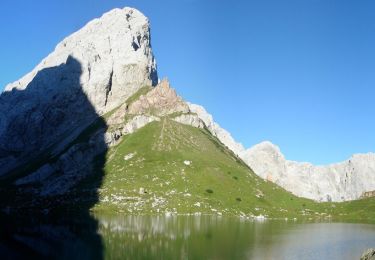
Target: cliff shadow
52 156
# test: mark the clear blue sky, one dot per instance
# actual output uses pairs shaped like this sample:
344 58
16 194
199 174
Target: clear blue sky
300 73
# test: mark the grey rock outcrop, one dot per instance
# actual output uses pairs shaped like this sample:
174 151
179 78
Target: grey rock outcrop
118 116
75 164
88 74
138 122
59 176
114 137
159 101
190 119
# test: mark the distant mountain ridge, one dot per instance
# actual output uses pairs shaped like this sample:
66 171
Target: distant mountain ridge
343 181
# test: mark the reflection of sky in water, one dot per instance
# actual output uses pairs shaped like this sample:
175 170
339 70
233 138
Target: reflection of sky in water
318 241
207 237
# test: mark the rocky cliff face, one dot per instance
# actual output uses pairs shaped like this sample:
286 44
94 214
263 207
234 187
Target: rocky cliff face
115 57
88 74
342 181
160 101
155 103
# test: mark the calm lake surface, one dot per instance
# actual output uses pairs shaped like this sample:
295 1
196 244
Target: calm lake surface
183 237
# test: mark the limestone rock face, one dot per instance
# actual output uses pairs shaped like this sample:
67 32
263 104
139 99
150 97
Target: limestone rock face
75 164
160 101
342 181
223 135
138 122
189 119
115 57
88 74
118 116
139 111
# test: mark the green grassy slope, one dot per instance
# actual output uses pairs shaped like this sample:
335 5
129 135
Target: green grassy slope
167 167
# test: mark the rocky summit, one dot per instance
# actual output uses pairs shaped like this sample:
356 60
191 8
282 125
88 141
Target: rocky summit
88 74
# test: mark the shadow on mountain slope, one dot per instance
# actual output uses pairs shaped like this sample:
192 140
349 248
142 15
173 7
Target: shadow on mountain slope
51 141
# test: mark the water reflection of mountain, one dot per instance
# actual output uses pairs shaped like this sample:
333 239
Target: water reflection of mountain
49 237
210 237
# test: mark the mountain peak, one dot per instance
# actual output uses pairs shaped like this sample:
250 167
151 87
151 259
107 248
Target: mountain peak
115 56
267 146
90 72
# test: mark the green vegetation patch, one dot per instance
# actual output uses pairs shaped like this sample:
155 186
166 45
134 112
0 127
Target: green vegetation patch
167 167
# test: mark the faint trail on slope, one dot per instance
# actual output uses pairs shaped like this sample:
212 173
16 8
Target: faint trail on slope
158 145
161 137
